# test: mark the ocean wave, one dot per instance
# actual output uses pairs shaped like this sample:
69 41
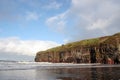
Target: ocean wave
46 65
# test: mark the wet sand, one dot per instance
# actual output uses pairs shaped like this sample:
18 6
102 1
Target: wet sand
77 72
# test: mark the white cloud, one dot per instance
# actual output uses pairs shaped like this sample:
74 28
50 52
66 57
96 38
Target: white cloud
98 13
52 5
89 18
99 24
57 22
32 16
24 47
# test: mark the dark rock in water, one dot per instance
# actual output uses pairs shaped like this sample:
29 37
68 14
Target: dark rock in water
98 50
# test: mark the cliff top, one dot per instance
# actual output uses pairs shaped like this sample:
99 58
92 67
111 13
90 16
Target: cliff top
114 39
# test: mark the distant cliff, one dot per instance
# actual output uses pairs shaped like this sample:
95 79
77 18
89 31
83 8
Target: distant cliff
98 50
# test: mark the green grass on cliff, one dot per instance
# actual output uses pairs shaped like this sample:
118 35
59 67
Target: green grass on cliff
69 46
90 42
86 43
114 40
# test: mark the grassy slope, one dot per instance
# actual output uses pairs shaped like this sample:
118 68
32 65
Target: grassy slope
86 43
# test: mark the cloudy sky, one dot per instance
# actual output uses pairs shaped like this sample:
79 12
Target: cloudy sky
29 26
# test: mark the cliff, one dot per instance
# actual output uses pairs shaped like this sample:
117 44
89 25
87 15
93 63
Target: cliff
98 50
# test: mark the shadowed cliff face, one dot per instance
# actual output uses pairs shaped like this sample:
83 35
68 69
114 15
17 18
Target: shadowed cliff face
99 50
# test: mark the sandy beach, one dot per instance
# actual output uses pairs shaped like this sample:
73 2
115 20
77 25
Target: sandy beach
58 71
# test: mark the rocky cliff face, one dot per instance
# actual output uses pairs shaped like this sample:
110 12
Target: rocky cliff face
98 50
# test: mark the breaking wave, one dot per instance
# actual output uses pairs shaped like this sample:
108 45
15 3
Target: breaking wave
14 65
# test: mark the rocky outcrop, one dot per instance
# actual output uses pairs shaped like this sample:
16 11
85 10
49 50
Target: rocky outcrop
98 50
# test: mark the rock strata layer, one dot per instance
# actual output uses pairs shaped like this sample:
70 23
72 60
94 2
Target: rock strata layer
98 50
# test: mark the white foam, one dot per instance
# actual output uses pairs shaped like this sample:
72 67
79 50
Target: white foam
35 65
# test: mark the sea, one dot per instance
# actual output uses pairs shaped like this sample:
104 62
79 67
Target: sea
15 70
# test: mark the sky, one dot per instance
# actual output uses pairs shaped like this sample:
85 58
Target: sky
29 26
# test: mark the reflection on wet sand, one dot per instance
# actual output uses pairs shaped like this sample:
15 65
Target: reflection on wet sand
106 73
63 73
